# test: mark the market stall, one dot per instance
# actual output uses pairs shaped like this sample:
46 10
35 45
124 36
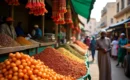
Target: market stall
29 57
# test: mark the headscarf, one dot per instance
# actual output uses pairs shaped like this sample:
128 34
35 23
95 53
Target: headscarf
122 34
36 26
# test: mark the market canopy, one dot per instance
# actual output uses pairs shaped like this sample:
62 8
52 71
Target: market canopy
119 24
83 7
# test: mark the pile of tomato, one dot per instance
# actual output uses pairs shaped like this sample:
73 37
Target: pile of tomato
23 67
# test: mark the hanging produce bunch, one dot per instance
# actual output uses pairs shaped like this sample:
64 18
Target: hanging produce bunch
23 67
58 11
68 15
71 25
13 2
36 7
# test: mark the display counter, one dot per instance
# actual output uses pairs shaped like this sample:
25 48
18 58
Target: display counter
30 49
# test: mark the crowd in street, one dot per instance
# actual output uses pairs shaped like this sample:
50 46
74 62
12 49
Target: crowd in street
107 48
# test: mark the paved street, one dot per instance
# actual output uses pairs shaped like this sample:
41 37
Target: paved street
117 73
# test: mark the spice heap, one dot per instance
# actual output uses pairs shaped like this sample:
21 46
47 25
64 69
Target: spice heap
22 67
73 51
7 41
23 41
33 41
37 7
78 49
81 44
70 55
61 64
13 2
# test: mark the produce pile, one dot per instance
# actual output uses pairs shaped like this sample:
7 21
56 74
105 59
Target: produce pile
70 55
127 45
7 41
66 46
23 41
61 64
23 67
81 44
33 41
78 49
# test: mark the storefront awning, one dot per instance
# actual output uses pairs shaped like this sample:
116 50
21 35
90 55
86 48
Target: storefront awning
83 7
119 24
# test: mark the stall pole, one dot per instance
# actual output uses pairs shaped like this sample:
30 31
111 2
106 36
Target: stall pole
43 24
56 32
126 27
68 33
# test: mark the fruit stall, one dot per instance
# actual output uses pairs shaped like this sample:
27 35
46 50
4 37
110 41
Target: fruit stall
39 59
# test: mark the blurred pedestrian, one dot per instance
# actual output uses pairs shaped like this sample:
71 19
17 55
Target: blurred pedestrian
93 47
121 51
104 63
114 48
87 41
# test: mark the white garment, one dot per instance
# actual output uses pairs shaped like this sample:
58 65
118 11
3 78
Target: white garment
114 47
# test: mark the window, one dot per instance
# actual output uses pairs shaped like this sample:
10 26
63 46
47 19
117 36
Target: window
90 27
111 20
118 7
122 4
128 2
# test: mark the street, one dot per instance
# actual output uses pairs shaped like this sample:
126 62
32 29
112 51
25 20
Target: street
117 72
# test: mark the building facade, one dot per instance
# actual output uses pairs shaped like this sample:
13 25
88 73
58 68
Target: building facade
107 15
91 26
122 10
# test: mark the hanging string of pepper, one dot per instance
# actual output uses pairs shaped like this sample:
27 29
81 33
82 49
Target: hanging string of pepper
58 11
13 2
68 14
36 7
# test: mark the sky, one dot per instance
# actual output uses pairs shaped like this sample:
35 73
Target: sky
98 6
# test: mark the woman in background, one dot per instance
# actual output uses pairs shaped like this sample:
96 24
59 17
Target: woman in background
114 48
121 51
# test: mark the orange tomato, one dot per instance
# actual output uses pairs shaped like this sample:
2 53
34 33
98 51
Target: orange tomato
24 71
14 78
18 62
20 67
13 65
14 59
15 69
21 74
26 76
9 76
7 62
18 55
30 72
4 70
10 71
16 74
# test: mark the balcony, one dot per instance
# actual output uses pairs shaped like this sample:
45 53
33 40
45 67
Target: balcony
123 11
104 11
103 25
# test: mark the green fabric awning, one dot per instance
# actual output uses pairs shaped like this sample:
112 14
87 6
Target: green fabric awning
83 7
